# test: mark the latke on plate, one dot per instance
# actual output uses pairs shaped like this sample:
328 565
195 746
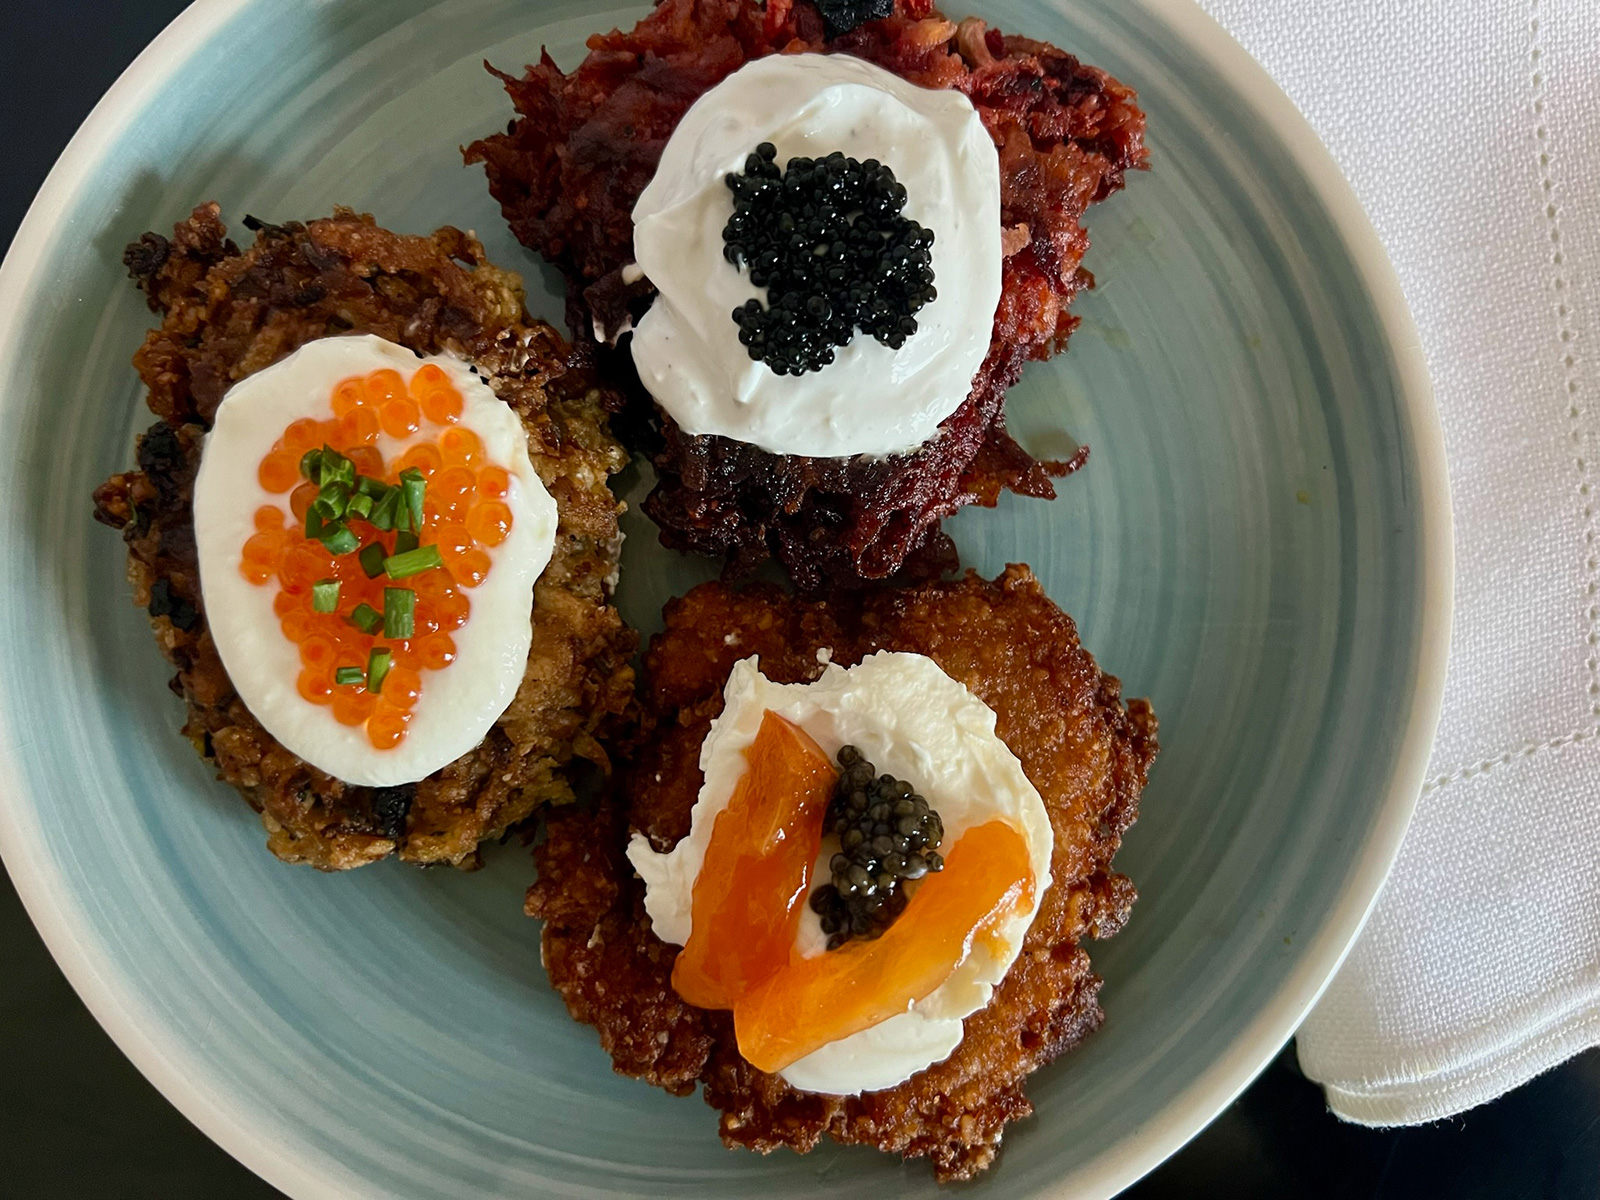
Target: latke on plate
569 169
227 314
1084 749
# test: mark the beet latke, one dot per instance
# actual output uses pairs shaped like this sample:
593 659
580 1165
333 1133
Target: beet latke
568 170
1086 752
227 314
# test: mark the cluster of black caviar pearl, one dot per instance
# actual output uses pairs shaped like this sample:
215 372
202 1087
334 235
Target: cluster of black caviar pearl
888 836
825 238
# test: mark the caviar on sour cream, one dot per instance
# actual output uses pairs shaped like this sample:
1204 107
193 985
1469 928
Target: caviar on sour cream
912 721
872 399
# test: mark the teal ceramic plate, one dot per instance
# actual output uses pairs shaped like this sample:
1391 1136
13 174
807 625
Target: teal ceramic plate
1260 544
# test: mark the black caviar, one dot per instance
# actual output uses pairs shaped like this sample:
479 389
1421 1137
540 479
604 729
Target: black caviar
888 837
825 237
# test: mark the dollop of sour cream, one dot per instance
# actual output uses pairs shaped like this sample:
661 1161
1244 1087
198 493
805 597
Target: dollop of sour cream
917 723
458 703
871 400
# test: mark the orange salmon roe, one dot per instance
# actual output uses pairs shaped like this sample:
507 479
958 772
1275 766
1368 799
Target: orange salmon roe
494 483
424 456
461 448
359 427
489 522
464 515
430 387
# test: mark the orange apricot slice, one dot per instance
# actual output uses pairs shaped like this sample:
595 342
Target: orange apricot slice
757 871
987 877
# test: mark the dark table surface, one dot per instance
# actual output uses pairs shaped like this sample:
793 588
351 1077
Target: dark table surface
76 1119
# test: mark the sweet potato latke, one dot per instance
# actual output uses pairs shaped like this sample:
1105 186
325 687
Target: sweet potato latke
567 173
1086 752
228 313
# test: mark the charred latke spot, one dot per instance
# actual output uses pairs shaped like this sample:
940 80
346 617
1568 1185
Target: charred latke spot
390 807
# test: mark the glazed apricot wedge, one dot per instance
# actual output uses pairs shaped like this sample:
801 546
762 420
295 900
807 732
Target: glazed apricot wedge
987 877
757 871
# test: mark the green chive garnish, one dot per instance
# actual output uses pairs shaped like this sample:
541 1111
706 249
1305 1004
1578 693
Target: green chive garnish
344 676
414 486
404 540
332 500
413 562
315 525
368 486
336 468
378 663
311 465
359 505
399 609
366 618
339 539
386 512
372 556
325 596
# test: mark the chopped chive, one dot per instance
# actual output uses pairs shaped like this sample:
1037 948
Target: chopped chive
399 609
385 513
369 486
366 618
332 500
340 539
378 663
405 540
344 676
315 525
413 562
359 505
325 596
372 556
311 465
414 486
337 468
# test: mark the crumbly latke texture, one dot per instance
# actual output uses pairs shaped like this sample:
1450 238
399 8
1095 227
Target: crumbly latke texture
1086 751
227 313
569 168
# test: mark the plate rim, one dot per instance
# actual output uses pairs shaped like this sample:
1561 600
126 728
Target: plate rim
121 1012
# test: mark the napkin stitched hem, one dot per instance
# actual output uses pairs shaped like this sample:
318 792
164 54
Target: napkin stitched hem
1462 1051
1528 750
1400 1103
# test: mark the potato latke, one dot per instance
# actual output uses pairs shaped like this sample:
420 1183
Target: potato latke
228 313
1085 750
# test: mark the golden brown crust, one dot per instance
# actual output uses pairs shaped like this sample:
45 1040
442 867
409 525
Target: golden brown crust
228 313
1086 752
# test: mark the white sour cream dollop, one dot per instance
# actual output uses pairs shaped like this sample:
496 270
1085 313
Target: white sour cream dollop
916 723
458 703
871 400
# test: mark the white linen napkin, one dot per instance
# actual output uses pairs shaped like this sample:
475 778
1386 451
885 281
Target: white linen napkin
1470 130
